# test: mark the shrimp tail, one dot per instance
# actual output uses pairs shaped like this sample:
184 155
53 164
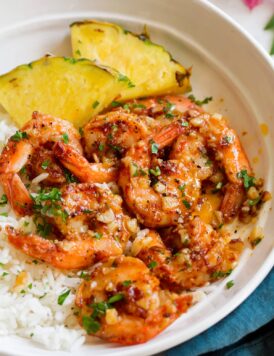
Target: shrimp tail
233 198
17 193
78 165
169 133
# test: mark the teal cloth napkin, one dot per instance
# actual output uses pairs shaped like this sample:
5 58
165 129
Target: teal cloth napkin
255 312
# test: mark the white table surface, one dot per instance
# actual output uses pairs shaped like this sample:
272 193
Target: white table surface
252 21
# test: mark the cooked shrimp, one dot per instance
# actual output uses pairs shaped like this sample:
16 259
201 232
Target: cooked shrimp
113 133
201 254
122 302
173 187
28 147
80 167
88 218
219 137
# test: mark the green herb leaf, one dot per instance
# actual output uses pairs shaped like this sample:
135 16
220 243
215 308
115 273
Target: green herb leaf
62 297
45 164
186 204
115 104
81 131
70 178
155 172
98 235
229 284
272 49
4 274
200 102
253 202
4 214
101 147
65 138
95 104
220 274
270 24
154 147
256 241
116 298
138 106
90 324
127 283
19 135
30 286
152 264
185 124
78 52
227 139
3 200
84 275
247 180
124 78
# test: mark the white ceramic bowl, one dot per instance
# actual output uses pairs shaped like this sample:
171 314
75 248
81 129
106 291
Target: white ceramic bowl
227 64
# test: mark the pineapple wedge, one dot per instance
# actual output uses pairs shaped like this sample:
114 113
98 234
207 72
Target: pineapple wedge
64 87
151 69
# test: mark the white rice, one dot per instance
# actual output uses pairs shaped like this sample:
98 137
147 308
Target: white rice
30 309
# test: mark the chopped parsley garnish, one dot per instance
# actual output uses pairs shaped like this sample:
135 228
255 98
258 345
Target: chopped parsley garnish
126 106
115 104
155 172
45 164
186 204
23 170
30 286
44 229
65 138
154 147
95 104
81 131
3 200
70 60
137 171
247 179
87 211
46 203
4 274
256 241
116 298
19 135
92 323
70 178
4 214
182 187
185 124
101 147
84 275
252 202
220 274
127 283
227 139
62 297
138 106
98 235
229 284
200 102
152 264
115 147
78 52
124 78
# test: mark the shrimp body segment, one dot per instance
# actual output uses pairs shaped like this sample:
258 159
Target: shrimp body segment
122 302
91 223
199 253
